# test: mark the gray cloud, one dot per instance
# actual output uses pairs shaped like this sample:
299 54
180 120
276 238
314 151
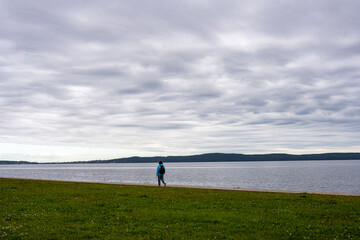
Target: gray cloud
178 77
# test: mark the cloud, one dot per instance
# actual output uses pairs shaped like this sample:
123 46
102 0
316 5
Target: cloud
178 77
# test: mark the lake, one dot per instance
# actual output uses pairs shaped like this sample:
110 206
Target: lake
323 176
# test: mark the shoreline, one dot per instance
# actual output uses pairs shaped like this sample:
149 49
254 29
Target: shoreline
13 162
197 187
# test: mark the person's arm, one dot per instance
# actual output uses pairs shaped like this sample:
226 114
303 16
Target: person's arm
157 171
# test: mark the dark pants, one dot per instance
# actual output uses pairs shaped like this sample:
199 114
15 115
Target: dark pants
161 177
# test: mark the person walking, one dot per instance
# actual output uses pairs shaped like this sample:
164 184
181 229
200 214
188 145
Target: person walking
160 172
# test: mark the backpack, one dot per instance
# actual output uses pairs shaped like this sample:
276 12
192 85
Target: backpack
162 169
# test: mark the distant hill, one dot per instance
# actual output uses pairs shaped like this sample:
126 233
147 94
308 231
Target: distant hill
220 157
231 157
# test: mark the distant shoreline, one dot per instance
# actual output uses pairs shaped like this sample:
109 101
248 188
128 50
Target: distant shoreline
213 157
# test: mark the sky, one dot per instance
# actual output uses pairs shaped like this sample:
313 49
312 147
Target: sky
86 80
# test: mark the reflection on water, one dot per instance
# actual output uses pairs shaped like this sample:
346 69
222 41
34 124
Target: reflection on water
324 176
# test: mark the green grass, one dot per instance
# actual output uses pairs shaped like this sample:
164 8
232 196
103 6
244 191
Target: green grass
61 210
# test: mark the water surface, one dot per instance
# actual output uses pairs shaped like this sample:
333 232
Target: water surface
324 176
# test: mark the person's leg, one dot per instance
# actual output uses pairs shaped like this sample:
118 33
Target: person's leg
159 180
162 179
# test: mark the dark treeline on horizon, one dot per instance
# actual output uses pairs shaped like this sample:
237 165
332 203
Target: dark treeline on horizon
16 162
217 157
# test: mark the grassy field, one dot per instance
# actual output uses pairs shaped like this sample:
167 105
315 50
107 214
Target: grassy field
62 210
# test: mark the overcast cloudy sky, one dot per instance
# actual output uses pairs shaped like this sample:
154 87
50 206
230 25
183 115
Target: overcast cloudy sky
84 80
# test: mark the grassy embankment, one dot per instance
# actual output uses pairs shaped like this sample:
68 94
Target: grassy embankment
61 210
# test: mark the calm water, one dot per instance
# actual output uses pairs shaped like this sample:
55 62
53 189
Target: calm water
324 176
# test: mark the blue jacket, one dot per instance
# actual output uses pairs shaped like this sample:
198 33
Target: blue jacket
158 169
